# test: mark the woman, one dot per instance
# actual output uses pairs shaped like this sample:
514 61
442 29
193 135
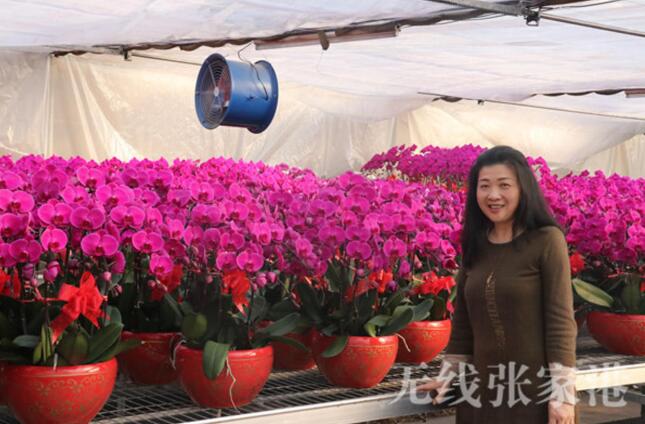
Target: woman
513 323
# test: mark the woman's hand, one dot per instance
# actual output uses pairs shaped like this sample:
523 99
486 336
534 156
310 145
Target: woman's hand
438 389
561 413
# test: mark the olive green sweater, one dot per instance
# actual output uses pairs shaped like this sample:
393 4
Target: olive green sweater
522 317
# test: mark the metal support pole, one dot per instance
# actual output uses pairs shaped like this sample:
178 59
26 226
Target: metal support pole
521 9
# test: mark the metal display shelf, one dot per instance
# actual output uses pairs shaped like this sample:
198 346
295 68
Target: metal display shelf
295 397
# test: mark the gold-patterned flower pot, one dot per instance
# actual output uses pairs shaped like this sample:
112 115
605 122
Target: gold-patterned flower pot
149 363
363 363
619 333
423 341
238 384
61 395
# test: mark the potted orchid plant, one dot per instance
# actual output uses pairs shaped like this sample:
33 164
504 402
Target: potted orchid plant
359 242
231 252
56 262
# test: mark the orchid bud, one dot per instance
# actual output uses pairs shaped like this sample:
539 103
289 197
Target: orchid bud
261 280
51 272
106 276
152 284
360 272
404 269
27 271
417 263
209 279
272 276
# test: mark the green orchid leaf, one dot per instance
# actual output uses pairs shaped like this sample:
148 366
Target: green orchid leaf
336 347
186 308
214 358
283 326
74 347
102 341
394 301
113 315
400 319
260 308
592 294
194 326
631 294
422 310
330 329
281 309
365 306
27 341
117 348
289 341
170 314
310 305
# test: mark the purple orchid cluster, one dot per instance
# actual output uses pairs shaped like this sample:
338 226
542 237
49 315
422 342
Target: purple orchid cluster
374 224
145 218
444 166
602 216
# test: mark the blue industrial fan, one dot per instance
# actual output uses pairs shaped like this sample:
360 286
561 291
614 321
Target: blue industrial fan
236 94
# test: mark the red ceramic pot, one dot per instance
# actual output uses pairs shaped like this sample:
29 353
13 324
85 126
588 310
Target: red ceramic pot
237 385
363 363
619 333
287 357
64 395
423 341
150 362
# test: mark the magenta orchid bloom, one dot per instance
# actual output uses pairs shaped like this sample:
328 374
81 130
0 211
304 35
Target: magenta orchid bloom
112 195
226 261
211 238
128 216
12 225
201 192
53 239
249 261
73 194
359 250
10 180
147 241
160 265
395 248
16 201
99 244
24 251
56 214
90 177
6 259
87 219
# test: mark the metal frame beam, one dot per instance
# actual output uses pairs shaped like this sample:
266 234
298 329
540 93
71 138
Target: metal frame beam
523 9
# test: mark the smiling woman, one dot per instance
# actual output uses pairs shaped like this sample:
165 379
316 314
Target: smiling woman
513 336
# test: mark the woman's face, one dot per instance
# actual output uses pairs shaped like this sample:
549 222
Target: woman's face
498 193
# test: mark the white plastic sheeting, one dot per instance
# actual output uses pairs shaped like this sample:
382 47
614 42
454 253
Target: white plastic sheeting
97 22
337 108
100 106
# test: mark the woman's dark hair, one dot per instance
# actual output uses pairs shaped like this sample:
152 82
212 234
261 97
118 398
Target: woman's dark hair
532 211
